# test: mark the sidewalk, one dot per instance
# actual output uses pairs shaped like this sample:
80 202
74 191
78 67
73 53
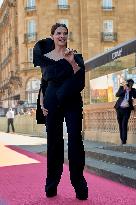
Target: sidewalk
22 182
37 144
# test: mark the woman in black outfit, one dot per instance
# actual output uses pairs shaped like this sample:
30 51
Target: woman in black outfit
64 74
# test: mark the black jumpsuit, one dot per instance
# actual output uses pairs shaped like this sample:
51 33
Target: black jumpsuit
62 98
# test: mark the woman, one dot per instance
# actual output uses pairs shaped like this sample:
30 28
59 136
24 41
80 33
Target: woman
64 73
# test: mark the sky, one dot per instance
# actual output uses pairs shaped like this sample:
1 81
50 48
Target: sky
1 2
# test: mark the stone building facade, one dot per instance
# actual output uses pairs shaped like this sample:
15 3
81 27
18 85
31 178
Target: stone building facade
9 79
31 21
94 27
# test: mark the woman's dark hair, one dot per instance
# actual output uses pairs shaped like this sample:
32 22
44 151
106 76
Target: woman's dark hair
57 25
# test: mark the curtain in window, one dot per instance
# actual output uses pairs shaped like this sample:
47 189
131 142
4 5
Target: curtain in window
32 89
30 3
62 2
107 3
108 26
31 26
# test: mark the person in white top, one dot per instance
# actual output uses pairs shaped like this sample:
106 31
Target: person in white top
10 118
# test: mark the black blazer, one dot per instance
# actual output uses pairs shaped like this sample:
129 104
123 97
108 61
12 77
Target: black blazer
73 85
121 95
66 85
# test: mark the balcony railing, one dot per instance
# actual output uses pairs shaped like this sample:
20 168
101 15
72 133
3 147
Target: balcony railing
108 8
63 6
108 36
101 120
30 37
30 8
25 66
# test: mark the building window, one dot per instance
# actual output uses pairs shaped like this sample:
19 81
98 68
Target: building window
32 97
107 4
32 89
31 26
108 34
31 4
30 55
63 4
31 34
108 26
64 21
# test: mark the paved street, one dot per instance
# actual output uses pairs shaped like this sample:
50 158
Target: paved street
23 173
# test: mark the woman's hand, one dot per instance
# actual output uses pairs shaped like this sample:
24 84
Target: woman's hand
45 111
69 56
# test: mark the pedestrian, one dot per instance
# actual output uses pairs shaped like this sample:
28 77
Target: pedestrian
124 106
32 111
64 74
10 120
21 111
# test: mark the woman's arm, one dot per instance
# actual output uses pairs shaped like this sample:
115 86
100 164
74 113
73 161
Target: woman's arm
40 48
75 84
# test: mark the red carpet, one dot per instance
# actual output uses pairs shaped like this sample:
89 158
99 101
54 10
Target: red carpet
24 185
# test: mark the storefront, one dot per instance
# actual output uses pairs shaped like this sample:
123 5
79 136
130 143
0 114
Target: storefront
106 72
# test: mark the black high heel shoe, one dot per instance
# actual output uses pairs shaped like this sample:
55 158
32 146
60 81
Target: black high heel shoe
82 196
51 192
82 190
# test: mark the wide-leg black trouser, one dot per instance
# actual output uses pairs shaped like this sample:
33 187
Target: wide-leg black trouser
123 115
55 148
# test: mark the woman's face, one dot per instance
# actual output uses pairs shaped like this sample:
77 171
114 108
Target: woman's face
60 36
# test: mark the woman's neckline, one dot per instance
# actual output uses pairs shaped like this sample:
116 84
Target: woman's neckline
54 59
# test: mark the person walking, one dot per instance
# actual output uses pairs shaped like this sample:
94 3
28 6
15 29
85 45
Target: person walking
64 74
10 120
124 106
